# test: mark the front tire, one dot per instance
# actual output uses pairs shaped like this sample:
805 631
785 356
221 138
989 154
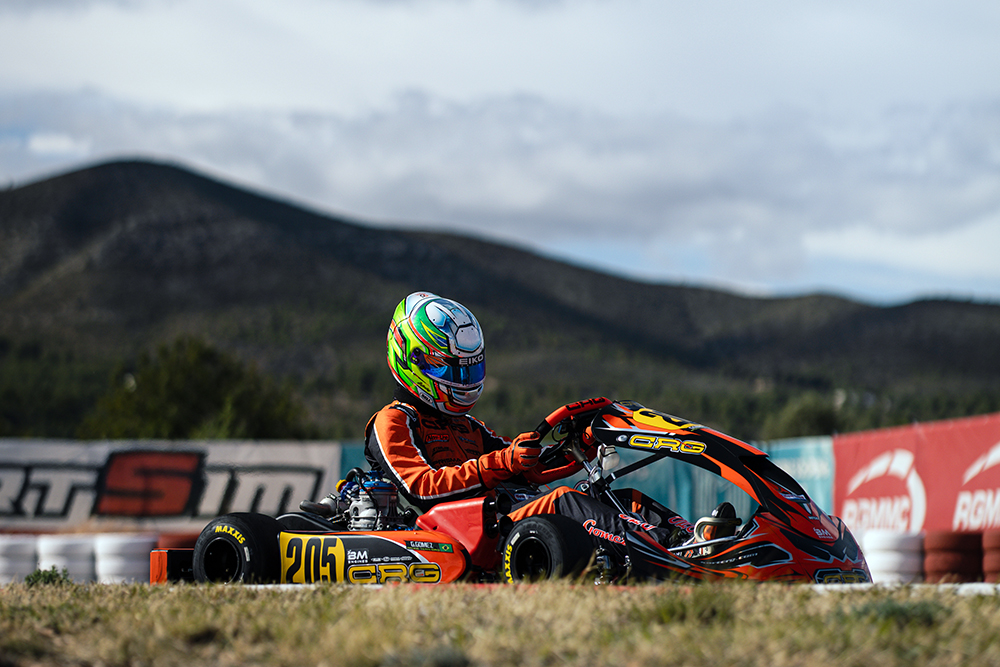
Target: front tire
547 546
241 547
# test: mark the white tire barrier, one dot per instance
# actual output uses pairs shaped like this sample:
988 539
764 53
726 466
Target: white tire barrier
18 557
74 553
884 540
895 565
123 557
108 558
894 557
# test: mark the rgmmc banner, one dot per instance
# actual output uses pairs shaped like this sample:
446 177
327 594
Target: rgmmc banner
933 476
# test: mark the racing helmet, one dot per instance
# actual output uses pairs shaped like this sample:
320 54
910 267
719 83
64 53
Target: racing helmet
435 350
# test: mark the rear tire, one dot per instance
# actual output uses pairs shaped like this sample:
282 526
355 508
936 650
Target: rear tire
548 546
241 547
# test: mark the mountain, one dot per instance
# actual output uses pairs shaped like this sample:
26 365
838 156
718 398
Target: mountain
101 263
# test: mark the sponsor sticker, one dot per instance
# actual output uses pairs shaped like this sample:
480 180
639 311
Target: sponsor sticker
681 523
660 420
229 530
591 526
823 533
661 442
833 576
420 545
636 522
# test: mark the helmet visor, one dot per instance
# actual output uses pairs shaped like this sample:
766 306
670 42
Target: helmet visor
452 374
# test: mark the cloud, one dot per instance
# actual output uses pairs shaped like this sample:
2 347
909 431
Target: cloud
708 60
966 251
759 201
33 6
57 144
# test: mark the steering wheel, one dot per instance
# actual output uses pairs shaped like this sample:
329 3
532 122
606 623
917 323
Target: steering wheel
568 416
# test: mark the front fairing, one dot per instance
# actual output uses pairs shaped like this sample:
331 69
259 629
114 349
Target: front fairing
764 550
788 538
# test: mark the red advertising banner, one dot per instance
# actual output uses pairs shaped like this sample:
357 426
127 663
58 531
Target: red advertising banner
933 476
57 485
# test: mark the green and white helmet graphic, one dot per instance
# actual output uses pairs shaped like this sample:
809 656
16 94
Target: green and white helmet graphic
435 349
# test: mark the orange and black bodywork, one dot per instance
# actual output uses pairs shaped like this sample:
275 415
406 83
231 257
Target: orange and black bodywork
789 538
371 558
450 542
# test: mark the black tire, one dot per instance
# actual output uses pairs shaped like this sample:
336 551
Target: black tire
241 547
548 546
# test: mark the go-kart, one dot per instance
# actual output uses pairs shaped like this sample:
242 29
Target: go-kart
366 538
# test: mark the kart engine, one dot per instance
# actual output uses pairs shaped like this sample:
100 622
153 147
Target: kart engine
363 501
371 503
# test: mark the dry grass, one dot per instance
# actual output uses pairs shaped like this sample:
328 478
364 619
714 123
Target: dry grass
458 625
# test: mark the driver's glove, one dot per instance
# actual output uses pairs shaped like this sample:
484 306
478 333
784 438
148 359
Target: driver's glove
523 453
501 464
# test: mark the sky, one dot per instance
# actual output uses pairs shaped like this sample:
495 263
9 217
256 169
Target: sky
771 147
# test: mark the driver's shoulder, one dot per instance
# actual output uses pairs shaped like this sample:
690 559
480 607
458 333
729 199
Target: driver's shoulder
485 430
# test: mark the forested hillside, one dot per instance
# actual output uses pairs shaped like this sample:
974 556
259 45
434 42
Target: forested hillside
102 264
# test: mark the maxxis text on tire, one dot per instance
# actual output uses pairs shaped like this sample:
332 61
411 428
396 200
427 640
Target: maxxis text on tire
547 546
240 547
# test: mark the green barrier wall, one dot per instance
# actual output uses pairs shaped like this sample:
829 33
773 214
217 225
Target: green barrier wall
810 462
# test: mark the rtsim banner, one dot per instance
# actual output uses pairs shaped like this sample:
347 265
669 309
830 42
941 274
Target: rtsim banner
52 485
932 476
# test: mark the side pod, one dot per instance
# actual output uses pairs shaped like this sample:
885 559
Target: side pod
464 520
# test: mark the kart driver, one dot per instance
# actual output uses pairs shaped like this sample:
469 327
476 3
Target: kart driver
426 442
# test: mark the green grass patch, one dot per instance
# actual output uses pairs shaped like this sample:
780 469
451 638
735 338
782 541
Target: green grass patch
50 577
460 625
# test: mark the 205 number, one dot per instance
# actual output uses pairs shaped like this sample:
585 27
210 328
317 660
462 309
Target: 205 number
311 560
306 560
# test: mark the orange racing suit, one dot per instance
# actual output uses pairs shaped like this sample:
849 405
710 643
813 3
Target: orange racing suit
433 458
